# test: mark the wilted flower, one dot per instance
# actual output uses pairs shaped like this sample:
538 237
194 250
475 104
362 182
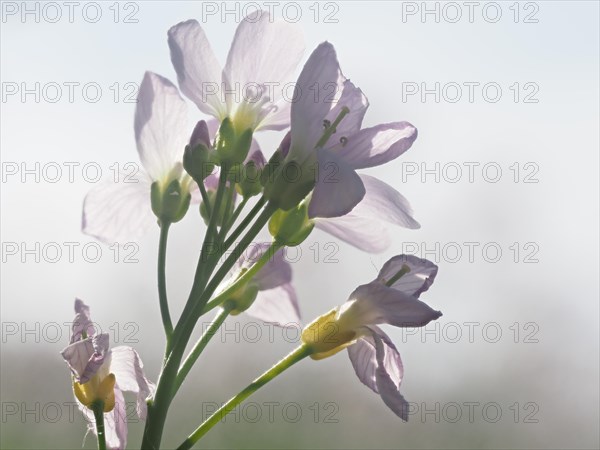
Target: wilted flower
101 374
392 298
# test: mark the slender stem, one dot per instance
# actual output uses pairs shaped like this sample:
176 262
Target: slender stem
287 362
162 282
230 195
229 263
236 213
200 346
244 278
242 226
205 198
98 408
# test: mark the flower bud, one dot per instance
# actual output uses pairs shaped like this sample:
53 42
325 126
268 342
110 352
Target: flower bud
242 299
198 162
169 203
291 227
232 146
249 184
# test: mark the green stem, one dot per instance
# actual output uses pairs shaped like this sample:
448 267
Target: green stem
242 226
162 282
200 346
223 231
205 198
244 278
287 362
98 408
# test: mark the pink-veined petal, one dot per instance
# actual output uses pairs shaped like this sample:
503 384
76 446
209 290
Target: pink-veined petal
386 380
363 357
278 306
338 189
314 96
85 357
377 145
199 73
82 322
161 125
118 212
276 272
352 98
128 369
421 275
374 303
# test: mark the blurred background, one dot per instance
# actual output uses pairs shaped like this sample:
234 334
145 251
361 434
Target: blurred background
503 179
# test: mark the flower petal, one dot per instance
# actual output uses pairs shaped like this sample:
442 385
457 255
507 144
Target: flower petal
352 98
377 145
338 189
264 54
127 367
276 272
161 130
363 357
383 202
82 322
386 376
363 232
198 71
85 357
115 423
373 303
421 275
314 97
278 306
118 212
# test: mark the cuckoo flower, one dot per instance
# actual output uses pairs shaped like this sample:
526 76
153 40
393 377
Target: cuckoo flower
102 374
121 208
250 89
269 296
392 298
326 139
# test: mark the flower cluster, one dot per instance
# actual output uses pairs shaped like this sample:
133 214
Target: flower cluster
312 180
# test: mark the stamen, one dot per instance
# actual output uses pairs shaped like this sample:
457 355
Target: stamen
343 140
329 130
326 124
405 269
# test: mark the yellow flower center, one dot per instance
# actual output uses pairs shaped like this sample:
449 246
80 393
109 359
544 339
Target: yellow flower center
95 390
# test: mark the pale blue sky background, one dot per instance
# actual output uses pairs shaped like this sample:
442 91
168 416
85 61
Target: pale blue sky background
379 52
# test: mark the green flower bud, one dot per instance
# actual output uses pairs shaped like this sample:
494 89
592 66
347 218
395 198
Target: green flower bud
170 202
232 147
242 299
249 184
198 162
291 227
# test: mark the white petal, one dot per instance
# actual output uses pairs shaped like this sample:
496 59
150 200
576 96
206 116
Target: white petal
314 96
198 71
118 212
383 202
363 232
352 98
265 50
278 306
115 423
161 125
127 367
